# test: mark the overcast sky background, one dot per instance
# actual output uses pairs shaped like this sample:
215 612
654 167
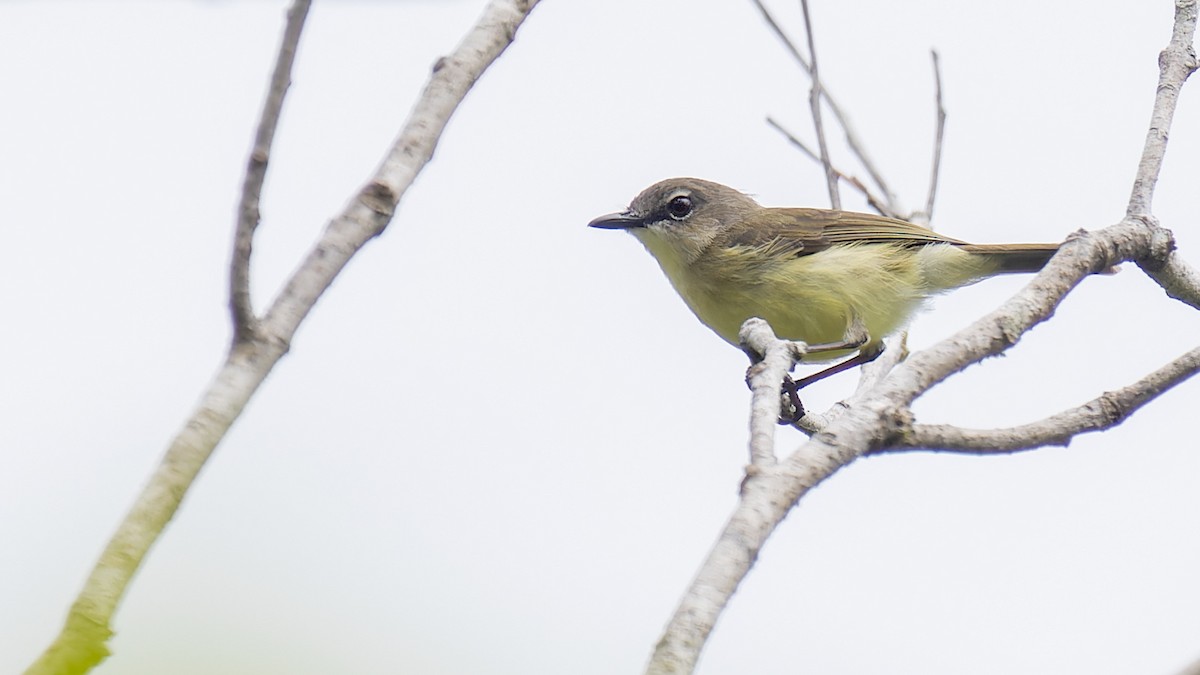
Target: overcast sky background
501 444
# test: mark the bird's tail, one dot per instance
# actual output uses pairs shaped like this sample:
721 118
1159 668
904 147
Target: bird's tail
1015 258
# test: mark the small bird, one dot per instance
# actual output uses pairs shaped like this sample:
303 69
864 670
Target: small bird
815 275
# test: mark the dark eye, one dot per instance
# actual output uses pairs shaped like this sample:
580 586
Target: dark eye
680 207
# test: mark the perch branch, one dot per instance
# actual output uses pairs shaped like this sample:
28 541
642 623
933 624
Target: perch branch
876 419
774 359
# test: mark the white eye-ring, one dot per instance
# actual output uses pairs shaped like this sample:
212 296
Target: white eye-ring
680 207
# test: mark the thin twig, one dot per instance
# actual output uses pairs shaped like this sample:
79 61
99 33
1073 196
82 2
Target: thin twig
1103 412
787 41
240 304
814 102
801 145
852 139
873 201
938 135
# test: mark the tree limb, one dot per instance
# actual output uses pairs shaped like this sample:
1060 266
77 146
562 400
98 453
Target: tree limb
1103 412
81 643
1180 280
774 359
876 419
1175 64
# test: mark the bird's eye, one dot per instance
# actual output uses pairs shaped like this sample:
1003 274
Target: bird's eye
680 207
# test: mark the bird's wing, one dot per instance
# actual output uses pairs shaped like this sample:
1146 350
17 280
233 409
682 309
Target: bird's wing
806 231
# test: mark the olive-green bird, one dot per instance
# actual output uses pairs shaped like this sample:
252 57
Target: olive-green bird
815 275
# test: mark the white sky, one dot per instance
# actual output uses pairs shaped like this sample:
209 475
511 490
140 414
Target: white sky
501 444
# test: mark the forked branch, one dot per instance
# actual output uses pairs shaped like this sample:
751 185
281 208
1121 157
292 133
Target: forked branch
878 418
82 642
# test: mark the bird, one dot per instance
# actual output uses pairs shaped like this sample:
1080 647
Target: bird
839 279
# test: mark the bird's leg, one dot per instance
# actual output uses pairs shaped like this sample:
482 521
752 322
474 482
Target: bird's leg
856 336
862 357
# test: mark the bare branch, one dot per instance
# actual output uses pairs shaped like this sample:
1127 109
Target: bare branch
240 304
766 497
873 201
794 140
1136 237
1180 280
1103 412
773 360
938 136
81 643
814 102
1175 63
875 419
783 37
856 145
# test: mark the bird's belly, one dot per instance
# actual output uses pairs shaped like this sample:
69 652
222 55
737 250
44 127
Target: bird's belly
813 299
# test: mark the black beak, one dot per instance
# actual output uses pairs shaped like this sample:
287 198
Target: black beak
618 221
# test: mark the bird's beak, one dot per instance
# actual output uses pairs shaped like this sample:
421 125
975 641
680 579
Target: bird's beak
618 221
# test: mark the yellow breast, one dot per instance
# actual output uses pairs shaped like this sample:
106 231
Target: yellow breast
813 298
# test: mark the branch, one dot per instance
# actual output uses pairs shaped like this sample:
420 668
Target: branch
875 419
873 201
814 102
774 359
81 643
869 376
852 139
1180 280
767 495
1103 412
240 304
1175 64
1136 237
938 136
